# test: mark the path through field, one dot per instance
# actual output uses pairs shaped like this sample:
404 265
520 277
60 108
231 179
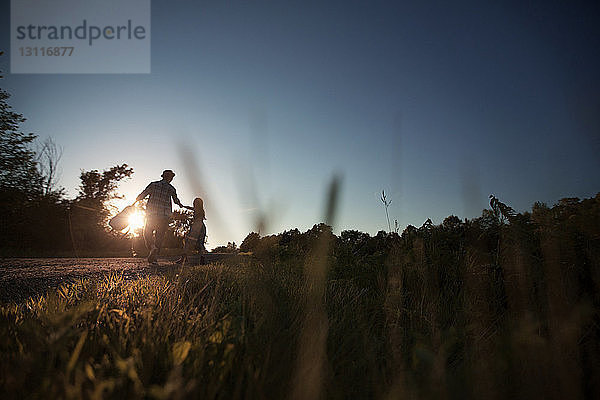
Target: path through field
21 278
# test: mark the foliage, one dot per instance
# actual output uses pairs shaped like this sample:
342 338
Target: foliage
475 308
18 167
48 157
101 186
181 222
425 314
230 248
34 213
250 242
90 210
501 211
31 214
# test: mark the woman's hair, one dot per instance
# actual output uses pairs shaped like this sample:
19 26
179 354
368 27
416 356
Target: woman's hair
199 208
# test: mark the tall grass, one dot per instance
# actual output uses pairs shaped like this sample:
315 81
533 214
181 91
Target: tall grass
475 309
207 332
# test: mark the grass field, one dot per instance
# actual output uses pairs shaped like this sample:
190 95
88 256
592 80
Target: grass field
234 331
462 310
208 332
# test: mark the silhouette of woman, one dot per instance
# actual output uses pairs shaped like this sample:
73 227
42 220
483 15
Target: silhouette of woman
197 234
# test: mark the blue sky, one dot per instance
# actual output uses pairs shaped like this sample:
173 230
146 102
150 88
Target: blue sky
438 103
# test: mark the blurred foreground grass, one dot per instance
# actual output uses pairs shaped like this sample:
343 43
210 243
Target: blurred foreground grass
207 332
475 309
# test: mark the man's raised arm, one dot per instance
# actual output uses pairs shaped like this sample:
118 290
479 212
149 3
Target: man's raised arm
145 193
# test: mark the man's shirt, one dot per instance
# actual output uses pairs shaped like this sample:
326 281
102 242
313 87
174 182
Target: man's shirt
159 203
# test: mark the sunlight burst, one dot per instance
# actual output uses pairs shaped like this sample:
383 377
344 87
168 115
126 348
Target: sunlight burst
136 221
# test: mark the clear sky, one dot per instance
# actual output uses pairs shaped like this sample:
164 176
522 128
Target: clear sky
438 103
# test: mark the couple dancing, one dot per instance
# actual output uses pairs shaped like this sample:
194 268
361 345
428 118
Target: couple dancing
158 213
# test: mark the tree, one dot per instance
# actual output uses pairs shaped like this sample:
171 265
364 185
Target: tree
452 223
91 208
230 248
97 188
48 158
250 242
18 166
32 210
354 238
101 186
181 222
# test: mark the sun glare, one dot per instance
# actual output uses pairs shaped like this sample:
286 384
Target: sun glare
136 221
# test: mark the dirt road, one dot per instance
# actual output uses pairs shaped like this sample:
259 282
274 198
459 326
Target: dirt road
21 278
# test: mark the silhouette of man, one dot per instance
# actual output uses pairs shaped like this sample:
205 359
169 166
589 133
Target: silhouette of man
158 212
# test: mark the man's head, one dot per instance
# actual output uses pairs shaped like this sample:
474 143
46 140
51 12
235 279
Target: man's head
168 175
